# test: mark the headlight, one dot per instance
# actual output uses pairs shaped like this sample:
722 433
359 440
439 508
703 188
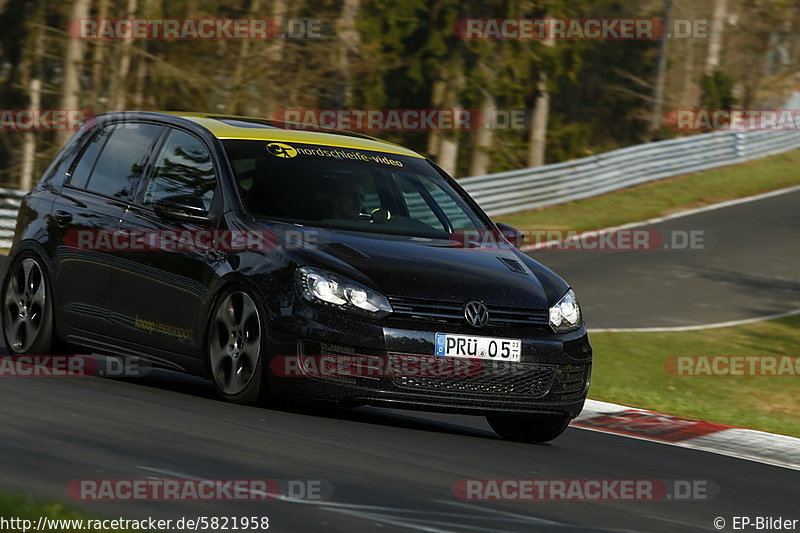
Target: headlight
325 287
566 314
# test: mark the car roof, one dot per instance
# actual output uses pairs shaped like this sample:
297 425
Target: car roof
253 128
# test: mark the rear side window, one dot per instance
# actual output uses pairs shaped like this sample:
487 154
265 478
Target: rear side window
80 174
122 159
183 166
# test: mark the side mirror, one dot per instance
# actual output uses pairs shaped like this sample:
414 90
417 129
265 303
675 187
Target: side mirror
514 236
183 208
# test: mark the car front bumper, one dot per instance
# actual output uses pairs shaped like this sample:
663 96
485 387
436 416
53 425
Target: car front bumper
552 376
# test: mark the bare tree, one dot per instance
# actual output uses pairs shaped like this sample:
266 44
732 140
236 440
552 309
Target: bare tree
117 90
73 63
447 96
34 103
537 138
661 75
273 56
484 138
715 35
242 60
349 40
98 54
437 101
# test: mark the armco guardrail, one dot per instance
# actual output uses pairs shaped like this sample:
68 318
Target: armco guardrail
518 190
9 205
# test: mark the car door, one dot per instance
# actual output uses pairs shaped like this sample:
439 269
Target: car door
94 199
159 294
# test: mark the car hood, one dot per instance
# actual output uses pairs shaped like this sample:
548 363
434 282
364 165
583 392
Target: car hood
410 267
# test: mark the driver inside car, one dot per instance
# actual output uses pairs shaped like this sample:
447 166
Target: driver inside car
347 198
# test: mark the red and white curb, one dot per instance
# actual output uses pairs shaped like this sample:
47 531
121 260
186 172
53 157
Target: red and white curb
749 444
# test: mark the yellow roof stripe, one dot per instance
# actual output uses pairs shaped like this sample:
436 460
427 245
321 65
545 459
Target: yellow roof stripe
221 130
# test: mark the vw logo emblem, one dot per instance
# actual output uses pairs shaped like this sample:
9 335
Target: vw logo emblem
476 314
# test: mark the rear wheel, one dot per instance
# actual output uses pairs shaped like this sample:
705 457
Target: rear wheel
235 347
530 428
27 307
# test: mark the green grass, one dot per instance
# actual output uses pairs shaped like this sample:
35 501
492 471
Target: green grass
26 508
664 196
629 369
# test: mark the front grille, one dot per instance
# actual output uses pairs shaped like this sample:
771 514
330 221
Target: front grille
570 382
315 350
326 348
498 379
453 313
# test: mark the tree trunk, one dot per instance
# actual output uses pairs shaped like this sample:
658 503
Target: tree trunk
97 56
118 89
34 103
661 75
537 139
349 40
274 58
73 61
484 138
29 143
141 62
141 75
447 156
715 36
437 102
537 135
687 96
242 61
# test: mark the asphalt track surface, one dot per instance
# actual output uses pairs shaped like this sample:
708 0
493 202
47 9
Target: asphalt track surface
748 267
395 471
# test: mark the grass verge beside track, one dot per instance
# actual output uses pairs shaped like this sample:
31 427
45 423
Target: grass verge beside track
665 196
629 369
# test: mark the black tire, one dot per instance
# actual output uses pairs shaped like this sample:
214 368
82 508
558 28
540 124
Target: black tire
530 428
235 347
28 307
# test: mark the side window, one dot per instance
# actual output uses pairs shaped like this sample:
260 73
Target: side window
452 210
80 174
417 207
183 167
123 159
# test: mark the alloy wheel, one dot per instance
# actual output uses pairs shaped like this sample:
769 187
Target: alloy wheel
235 343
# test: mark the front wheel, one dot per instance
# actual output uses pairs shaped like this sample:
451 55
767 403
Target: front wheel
530 428
27 307
235 348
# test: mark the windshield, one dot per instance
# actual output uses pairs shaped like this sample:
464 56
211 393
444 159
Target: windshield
358 190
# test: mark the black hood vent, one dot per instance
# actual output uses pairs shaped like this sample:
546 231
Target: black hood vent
344 251
514 265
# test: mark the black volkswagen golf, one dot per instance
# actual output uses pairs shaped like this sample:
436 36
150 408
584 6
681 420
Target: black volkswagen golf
281 262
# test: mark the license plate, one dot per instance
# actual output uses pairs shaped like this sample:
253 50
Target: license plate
450 345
